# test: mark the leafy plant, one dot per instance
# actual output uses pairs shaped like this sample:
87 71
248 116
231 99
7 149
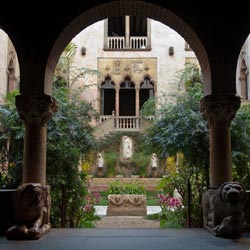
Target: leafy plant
110 159
142 161
89 213
119 187
148 108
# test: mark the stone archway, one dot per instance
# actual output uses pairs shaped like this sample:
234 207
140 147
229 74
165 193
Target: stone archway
122 8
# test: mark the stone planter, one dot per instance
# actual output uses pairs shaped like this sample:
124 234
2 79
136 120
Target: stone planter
126 205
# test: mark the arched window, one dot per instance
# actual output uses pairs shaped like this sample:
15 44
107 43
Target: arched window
107 97
146 90
127 98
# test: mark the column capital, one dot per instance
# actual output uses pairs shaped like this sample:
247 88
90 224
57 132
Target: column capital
36 109
219 110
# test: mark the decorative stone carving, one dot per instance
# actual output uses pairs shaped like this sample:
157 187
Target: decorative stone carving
223 209
36 109
116 67
32 212
154 161
219 110
127 205
127 149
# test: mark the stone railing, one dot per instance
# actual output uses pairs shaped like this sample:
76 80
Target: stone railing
116 42
127 123
138 42
135 43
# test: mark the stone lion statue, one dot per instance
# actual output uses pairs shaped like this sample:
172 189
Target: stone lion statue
223 209
32 205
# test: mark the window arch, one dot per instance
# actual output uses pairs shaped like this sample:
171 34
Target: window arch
146 90
107 97
127 97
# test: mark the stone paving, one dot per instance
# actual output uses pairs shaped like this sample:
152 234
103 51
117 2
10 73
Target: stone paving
126 222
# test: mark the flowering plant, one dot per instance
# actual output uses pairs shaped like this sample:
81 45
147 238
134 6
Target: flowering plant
89 212
171 211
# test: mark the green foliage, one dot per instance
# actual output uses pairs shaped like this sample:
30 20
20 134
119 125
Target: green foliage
142 161
148 108
182 129
69 139
240 134
110 159
119 187
89 212
11 141
67 73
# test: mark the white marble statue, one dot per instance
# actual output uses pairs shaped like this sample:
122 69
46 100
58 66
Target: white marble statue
154 161
126 147
100 161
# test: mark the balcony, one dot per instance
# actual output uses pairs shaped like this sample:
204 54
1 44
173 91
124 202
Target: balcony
135 43
110 123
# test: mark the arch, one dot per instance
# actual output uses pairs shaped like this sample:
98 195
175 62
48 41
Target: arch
121 8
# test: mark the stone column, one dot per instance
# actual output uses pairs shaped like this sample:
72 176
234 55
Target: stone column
148 33
219 111
35 110
137 101
127 32
117 100
105 45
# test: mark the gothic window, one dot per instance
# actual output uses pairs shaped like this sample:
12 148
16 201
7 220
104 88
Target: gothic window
146 90
127 98
107 97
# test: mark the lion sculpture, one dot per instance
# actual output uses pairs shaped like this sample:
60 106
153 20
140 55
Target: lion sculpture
32 205
223 209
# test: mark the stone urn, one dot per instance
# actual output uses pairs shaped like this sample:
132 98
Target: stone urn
126 205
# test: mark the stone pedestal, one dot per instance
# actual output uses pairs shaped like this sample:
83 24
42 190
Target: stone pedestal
126 205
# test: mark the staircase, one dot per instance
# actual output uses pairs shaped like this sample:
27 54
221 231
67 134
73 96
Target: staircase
109 124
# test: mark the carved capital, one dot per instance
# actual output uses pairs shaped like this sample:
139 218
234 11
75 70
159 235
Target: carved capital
36 108
219 110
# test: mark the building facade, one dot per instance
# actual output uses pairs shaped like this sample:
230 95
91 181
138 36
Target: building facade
136 58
